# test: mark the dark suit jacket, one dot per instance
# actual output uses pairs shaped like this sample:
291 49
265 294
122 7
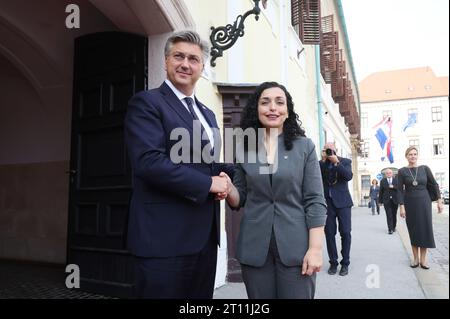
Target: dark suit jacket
387 193
340 194
171 209
373 193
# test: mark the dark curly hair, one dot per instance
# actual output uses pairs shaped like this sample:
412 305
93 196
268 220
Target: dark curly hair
291 127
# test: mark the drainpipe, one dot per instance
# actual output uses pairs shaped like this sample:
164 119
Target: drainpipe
349 51
319 97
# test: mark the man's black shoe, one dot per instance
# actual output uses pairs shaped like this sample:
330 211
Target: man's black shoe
332 270
344 270
390 232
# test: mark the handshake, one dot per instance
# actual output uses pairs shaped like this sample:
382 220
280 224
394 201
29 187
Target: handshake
221 185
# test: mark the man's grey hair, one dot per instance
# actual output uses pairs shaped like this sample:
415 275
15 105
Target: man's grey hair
190 37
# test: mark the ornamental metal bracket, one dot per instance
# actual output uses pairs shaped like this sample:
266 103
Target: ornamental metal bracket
223 38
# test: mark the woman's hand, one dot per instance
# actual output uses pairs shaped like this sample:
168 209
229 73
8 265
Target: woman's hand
228 187
440 206
312 262
402 211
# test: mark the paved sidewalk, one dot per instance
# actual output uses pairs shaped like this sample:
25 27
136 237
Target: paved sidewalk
379 266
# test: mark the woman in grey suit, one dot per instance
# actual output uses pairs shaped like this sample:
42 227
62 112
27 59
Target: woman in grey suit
280 241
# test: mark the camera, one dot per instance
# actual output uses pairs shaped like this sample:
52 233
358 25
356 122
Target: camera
329 152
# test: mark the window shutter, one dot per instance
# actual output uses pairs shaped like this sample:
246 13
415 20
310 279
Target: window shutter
328 47
327 24
295 13
305 18
310 24
338 81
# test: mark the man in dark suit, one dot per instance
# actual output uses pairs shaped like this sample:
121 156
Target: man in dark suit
336 173
388 197
174 225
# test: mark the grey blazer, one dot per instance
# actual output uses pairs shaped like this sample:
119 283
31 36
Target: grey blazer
291 206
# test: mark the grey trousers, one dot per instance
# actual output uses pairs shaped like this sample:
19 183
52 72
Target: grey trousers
276 281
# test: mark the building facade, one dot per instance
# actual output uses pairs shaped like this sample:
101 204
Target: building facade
416 101
67 70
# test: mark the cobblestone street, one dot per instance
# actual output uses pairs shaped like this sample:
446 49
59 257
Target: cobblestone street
439 256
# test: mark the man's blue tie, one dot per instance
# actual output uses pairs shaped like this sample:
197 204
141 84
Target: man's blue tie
190 106
190 103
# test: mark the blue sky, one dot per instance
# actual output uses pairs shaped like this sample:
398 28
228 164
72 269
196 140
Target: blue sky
396 34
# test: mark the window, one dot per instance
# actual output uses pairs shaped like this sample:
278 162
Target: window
387 113
440 178
365 181
414 142
438 146
364 120
436 114
365 150
413 111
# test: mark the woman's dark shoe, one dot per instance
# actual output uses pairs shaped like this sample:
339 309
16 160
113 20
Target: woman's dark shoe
414 265
424 266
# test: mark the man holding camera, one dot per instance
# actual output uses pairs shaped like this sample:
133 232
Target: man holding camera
336 173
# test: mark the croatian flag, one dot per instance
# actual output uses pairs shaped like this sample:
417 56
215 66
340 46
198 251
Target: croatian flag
383 134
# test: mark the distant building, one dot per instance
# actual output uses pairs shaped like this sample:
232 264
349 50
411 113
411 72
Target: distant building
401 108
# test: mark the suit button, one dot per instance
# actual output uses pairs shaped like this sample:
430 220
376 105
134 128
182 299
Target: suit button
272 201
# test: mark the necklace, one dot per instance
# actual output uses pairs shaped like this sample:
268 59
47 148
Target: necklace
414 182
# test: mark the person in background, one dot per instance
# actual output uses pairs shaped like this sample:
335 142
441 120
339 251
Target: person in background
336 173
389 198
415 205
373 194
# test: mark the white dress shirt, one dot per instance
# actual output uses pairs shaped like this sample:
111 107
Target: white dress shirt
199 114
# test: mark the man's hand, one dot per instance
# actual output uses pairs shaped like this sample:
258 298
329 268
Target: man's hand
333 159
221 185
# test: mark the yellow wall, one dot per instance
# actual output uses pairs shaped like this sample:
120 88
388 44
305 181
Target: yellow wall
261 55
201 11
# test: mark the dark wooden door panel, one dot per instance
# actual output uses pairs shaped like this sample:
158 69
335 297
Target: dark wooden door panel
109 68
